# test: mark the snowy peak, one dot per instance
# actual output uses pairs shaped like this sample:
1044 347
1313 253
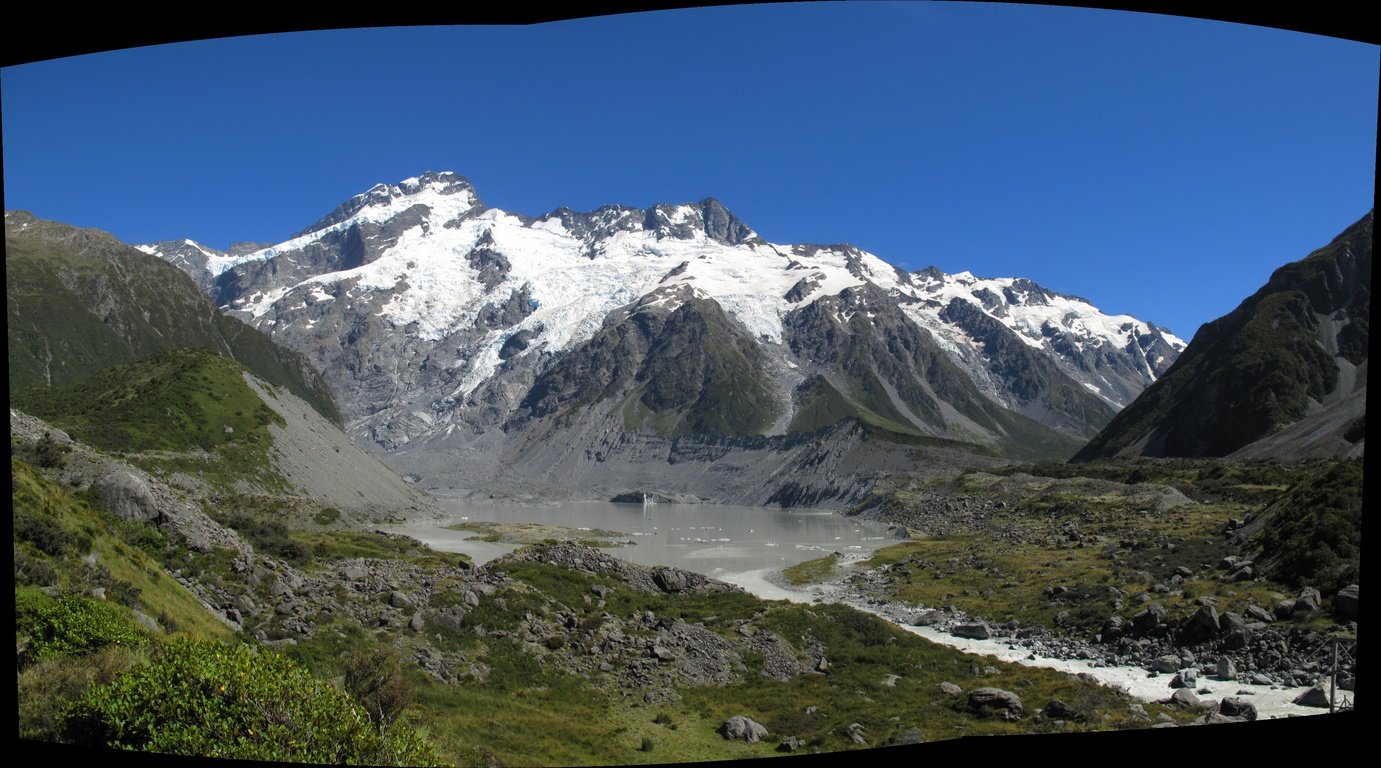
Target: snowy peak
707 219
383 200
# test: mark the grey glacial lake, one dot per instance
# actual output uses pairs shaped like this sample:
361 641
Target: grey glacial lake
730 543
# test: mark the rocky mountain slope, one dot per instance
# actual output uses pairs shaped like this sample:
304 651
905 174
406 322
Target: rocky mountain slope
78 300
1282 376
457 333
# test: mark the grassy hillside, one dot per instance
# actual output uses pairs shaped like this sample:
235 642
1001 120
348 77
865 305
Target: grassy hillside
79 300
183 410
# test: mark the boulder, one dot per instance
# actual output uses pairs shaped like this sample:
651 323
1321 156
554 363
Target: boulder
1345 603
399 600
1186 678
745 728
1232 706
996 701
149 621
670 580
973 631
1284 609
950 689
1203 625
127 496
1166 664
908 736
790 744
1257 613
1237 639
1314 697
1184 697
1308 601
1059 710
1227 670
1149 618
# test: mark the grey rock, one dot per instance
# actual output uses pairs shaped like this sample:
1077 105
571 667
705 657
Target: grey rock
744 728
950 689
399 600
1237 639
1202 626
151 622
973 631
1227 670
1345 603
908 736
1257 613
1308 601
1165 664
996 700
1149 618
1186 678
353 573
1184 697
790 744
127 496
670 580
1231 706
416 623
1059 710
1284 609
1314 697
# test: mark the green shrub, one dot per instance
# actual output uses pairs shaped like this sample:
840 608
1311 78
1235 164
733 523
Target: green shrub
205 699
48 688
327 516
71 624
45 533
376 680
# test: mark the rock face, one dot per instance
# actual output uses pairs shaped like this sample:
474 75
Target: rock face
590 346
1282 376
747 729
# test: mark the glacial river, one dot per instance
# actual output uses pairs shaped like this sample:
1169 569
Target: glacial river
749 546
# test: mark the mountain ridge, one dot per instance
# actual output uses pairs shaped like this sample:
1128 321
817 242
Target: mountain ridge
437 316
1290 358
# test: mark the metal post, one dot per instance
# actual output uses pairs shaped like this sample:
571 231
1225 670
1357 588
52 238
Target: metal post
1333 678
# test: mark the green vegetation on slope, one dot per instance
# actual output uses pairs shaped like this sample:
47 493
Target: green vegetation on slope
187 401
1312 534
79 301
91 673
1254 370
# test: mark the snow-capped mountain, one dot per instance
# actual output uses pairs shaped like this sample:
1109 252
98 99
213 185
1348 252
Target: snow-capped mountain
453 328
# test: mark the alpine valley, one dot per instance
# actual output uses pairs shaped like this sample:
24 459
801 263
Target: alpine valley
221 464
670 351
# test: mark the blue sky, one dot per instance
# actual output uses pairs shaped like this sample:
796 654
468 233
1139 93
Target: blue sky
1155 165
